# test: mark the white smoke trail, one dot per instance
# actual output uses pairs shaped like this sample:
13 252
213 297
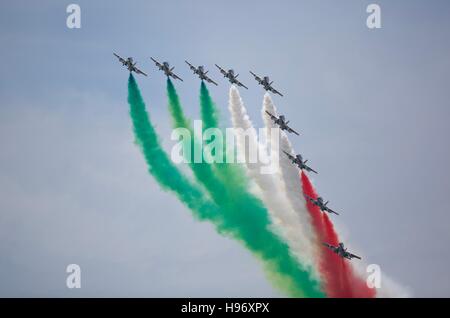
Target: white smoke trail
388 287
289 175
391 289
287 223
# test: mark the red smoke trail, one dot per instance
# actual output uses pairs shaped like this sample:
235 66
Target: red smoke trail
338 277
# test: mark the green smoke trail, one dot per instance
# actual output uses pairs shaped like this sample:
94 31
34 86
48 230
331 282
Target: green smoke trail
159 164
245 217
210 114
231 173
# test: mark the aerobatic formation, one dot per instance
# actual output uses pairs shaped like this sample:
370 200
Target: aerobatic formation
304 257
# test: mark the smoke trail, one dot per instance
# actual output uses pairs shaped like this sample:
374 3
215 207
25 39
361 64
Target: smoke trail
159 164
350 282
210 115
230 173
269 189
290 178
245 218
288 173
272 191
339 278
170 178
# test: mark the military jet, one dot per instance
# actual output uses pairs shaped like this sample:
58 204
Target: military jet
266 83
341 251
129 64
319 202
298 160
200 71
282 123
166 69
231 77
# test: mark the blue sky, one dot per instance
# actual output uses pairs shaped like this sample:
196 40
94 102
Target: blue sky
372 106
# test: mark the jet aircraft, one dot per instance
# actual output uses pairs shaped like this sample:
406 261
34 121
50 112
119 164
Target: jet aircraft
266 83
200 71
341 251
130 65
282 123
231 76
165 67
298 160
322 205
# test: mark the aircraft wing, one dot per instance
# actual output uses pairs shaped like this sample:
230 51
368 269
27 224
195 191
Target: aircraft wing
221 70
273 90
310 199
334 249
331 211
331 247
353 256
289 155
122 60
310 169
210 80
292 131
271 116
256 77
192 67
175 76
138 71
156 62
240 84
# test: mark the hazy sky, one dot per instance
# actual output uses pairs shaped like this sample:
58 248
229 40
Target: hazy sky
372 106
